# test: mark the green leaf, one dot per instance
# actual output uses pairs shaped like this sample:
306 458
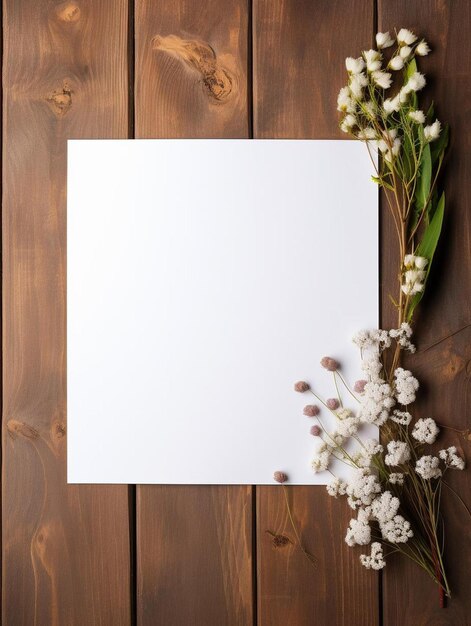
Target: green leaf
427 248
411 68
429 117
424 182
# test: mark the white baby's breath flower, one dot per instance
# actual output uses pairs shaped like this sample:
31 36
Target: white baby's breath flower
425 430
348 123
405 52
416 82
375 560
451 458
402 336
398 453
357 83
345 102
382 79
406 37
423 48
409 260
362 488
420 262
385 507
401 417
348 427
396 63
417 116
354 66
321 461
391 105
384 40
373 60
406 386
366 134
337 487
358 533
397 530
396 478
432 132
427 467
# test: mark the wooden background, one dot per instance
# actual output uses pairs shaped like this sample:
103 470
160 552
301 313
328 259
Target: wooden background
176 555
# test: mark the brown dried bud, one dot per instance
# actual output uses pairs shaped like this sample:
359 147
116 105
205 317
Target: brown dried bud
311 410
330 364
316 430
301 386
280 477
333 404
359 386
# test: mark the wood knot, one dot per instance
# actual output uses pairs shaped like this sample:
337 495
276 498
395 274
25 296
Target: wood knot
60 100
58 430
68 12
278 541
200 57
16 428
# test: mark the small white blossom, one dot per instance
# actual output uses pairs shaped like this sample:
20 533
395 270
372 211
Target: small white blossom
420 262
367 134
384 40
362 488
373 60
385 507
398 453
394 151
406 37
337 487
376 403
422 49
366 339
322 459
357 84
405 52
375 560
354 66
397 530
427 467
417 116
425 430
432 132
401 417
406 386
382 79
348 427
416 82
358 533
396 63
396 478
451 458
402 336
391 105
345 101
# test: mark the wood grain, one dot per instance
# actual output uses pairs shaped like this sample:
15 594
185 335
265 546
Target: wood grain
194 544
299 51
65 548
410 598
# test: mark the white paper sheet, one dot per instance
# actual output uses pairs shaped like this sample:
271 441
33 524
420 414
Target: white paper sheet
205 277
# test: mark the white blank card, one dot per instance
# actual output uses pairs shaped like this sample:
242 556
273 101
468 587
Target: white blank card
205 277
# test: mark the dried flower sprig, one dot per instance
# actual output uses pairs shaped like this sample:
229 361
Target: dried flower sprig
394 485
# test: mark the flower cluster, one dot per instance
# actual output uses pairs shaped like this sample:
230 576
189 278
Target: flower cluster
413 274
378 473
372 117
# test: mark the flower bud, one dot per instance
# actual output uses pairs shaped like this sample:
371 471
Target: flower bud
301 386
311 410
280 477
359 386
316 430
330 364
333 404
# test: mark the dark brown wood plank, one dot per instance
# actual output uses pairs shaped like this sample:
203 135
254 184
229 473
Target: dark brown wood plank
194 544
410 598
299 52
65 548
